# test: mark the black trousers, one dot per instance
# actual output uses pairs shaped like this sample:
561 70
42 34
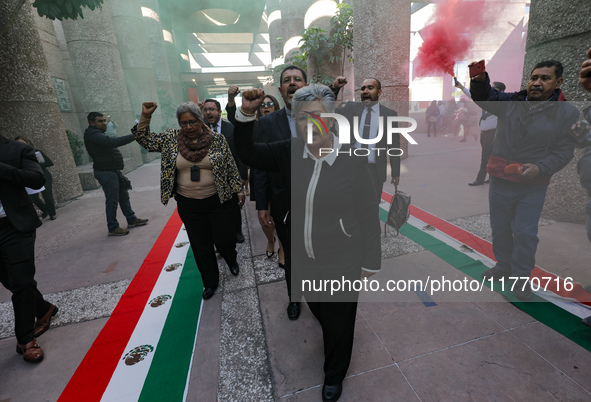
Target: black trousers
17 274
209 223
284 234
378 185
337 320
237 217
486 142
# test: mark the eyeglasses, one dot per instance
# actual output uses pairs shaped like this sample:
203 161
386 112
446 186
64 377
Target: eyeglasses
267 104
209 109
192 123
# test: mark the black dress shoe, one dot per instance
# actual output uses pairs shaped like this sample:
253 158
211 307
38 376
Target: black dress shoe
476 183
494 273
522 290
208 293
281 265
235 269
239 238
331 393
293 311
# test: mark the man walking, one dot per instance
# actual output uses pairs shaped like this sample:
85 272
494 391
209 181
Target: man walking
18 223
212 111
532 142
108 163
370 111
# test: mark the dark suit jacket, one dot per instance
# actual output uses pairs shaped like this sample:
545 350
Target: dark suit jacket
228 133
19 169
352 109
270 187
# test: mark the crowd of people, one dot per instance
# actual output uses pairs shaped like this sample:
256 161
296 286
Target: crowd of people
320 199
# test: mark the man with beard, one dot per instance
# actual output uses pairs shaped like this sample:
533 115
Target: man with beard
212 111
108 163
532 142
370 111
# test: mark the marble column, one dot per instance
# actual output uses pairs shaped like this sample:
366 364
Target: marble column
381 47
132 40
275 28
293 13
173 56
28 100
166 99
98 72
563 36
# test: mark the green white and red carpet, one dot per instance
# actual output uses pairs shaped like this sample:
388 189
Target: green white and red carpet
158 316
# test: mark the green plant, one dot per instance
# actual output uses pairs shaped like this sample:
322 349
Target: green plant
54 9
77 147
319 46
64 9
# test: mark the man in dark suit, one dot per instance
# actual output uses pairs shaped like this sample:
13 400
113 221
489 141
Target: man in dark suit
212 110
18 222
369 112
268 187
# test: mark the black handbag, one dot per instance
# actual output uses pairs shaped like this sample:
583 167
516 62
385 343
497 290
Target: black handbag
124 182
399 211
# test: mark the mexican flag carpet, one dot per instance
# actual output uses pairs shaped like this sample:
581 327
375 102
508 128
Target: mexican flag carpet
157 317
557 302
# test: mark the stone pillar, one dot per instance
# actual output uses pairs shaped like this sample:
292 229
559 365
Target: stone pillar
383 51
563 36
28 101
75 93
172 55
166 99
293 13
276 38
134 50
58 72
99 74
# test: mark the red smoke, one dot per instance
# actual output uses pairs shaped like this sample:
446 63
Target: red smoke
450 35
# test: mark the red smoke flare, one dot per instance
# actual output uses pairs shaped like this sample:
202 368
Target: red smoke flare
450 36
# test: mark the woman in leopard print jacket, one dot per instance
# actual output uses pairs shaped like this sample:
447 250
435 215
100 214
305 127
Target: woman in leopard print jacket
198 169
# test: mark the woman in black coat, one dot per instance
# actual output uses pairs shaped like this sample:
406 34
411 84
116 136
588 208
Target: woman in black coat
333 217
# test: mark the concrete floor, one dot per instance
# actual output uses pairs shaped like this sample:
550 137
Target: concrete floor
247 348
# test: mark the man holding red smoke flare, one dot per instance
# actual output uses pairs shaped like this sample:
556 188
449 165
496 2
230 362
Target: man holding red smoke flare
532 143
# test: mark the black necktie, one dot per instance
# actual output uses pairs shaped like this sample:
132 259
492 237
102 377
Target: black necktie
214 128
366 127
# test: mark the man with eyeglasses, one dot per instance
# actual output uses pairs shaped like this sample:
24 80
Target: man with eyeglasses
108 163
212 111
268 187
